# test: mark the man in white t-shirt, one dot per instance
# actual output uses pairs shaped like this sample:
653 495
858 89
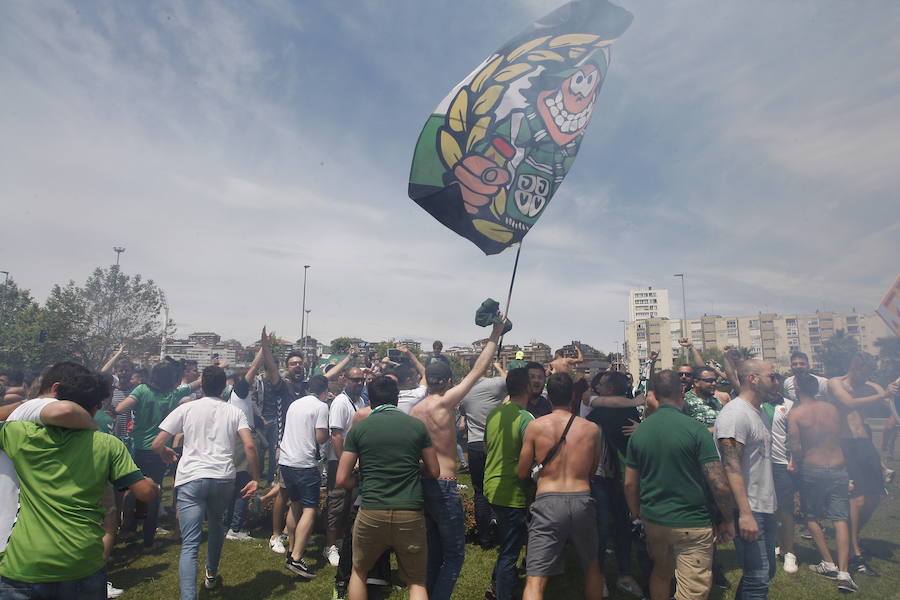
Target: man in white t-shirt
411 379
340 417
745 446
800 367
305 427
205 477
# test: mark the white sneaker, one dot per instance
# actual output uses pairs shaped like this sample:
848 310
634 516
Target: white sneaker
333 555
276 544
790 562
605 589
113 592
241 536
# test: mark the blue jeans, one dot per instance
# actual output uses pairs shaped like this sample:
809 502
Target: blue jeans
511 532
757 558
199 499
92 587
601 499
237 508
446 528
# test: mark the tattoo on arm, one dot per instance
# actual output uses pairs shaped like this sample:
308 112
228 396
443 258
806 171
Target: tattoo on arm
732 453
718 483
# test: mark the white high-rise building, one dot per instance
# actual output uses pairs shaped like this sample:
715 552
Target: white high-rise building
648 304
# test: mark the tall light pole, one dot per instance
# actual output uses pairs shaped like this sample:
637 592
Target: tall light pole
683 305
624 343
618 361
303 307
305 340
119 250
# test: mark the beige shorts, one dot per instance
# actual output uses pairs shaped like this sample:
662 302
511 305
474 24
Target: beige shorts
401 530
686 553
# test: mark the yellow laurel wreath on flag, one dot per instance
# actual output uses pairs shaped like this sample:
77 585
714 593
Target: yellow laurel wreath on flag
471 112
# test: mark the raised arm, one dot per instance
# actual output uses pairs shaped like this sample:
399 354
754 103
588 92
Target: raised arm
501 372
837 390
258 361
272 374
732 453
718 484
579 358
333 372
108 367
732 362
696 358
455 394
415 361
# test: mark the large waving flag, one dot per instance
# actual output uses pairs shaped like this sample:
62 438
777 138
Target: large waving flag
500 144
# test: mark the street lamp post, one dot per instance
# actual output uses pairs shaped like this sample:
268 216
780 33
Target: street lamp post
624 343
119 250
303 310
684 327
306 336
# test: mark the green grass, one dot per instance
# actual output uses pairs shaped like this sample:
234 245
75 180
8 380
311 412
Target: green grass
252 571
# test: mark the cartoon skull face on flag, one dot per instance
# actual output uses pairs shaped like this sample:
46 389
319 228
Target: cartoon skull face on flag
497 148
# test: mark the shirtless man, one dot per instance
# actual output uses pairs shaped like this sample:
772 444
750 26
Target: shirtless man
564 364
813 429
443 510
850 393
563 509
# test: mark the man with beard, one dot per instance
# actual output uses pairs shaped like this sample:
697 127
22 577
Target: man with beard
745 446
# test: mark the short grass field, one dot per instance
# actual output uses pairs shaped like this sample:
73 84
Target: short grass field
252 571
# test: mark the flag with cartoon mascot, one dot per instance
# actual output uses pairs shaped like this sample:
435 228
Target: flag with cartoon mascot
497 148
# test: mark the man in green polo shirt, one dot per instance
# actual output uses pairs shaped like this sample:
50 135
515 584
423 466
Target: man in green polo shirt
55 549
388 445
670 458
503 434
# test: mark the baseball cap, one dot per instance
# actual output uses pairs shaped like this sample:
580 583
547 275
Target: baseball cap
438 370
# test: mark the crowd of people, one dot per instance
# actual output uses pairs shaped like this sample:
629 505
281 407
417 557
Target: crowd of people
662 470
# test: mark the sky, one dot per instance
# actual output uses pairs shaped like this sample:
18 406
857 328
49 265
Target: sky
751 146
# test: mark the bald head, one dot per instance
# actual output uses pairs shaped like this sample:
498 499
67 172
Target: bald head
355 381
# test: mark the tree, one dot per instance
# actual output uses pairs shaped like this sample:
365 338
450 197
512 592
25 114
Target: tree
21 321
88 323
837 352
341 345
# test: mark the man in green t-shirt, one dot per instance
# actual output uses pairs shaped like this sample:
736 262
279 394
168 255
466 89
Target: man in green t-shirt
151 404
508 495
671 459
56 548
388 445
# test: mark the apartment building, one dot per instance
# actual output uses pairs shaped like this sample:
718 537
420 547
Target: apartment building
648 304
769 336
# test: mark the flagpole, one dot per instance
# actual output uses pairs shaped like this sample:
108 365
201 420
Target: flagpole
512 282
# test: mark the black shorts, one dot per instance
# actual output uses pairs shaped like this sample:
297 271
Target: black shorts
863 467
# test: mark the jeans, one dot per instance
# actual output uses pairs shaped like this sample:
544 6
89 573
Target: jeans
92 587
446 527
757 558
483 514
511 530
199 499
601 498
236 512
270 432
152 466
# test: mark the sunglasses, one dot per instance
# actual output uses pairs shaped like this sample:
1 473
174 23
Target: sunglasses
708 379
688 375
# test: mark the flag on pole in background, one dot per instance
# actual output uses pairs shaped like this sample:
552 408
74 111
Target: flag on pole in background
497 148
889 309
